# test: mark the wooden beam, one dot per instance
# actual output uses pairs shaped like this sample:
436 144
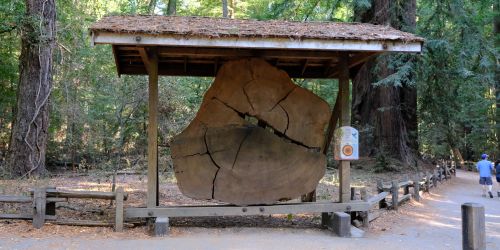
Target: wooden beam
251 42
207 70
87 223
24 217
345 120
354 61
15 199
332 124
238 53
79 195
145 58
197 211
304 67
117 62
377 198
153 130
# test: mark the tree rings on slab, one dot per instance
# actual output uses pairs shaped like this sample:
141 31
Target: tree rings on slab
256 139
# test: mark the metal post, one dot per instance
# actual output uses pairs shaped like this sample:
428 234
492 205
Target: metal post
473 227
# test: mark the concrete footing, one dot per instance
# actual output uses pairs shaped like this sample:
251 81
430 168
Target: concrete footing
161 226
338 222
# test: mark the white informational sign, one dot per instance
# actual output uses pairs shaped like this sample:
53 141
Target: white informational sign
346 143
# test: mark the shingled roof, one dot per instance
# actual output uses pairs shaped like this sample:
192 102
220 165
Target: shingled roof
199 46
208 27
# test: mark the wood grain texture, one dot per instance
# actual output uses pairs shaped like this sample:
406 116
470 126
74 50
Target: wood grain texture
256 139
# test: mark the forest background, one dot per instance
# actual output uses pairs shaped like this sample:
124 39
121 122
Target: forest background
99 120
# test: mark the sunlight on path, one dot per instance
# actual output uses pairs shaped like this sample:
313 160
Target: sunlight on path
438 223
433 224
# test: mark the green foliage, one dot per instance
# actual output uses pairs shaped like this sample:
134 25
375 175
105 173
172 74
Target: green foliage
98 118
455 78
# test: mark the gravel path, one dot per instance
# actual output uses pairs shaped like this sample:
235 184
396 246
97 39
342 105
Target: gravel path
433 224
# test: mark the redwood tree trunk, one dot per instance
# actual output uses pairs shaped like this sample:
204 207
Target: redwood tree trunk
496 26
386 115
224 9
172 7
30 128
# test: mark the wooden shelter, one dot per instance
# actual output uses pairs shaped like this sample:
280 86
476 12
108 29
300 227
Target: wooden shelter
198 46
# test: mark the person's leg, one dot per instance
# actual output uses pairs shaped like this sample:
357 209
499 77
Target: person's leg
498 190
489 182
482 182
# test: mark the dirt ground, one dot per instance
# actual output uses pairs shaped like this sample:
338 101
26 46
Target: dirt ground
433 224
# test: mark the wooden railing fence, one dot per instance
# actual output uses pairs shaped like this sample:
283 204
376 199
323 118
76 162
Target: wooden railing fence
43 202
393 193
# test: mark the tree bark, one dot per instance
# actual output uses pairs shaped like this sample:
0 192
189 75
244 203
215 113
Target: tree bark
224 9
172 7
385 115
496 33
30 128
151 7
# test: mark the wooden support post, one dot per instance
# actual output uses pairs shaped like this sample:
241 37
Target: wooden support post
382 203
152 195
406 189
365 215
429 181
345 120
426 182
353 193
326 219
447 172
395 194
473 227
435 178
39 203
119 210
416 188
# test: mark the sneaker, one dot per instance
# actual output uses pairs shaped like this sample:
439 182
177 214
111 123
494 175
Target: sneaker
491 195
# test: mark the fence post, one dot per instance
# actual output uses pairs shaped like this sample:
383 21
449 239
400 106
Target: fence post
395 193
364 215
382 203
416 188
353 193
39 206
427 181
435 178
119 210
473 227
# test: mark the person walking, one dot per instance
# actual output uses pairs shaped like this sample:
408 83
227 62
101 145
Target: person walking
497 170
485 167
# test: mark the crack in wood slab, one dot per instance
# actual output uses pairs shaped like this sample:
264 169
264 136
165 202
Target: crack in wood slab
213 161
254 140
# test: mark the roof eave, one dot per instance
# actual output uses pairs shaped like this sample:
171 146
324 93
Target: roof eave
100 37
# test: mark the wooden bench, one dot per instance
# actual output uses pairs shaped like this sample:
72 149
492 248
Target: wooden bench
44 199
26 199
47 193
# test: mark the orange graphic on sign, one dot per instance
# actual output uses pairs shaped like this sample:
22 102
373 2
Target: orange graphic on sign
347 150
